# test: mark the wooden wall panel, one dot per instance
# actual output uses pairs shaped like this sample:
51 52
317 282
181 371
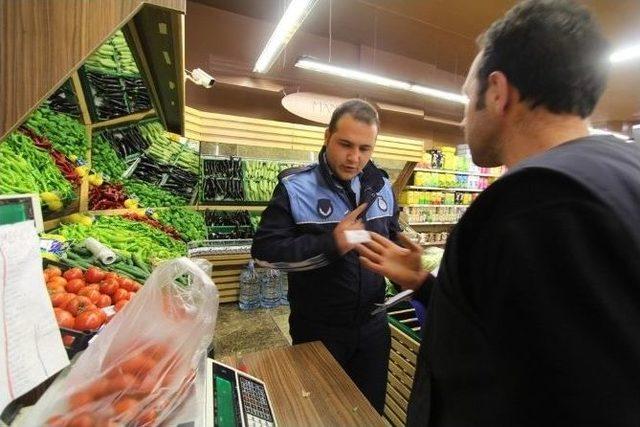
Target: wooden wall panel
42 42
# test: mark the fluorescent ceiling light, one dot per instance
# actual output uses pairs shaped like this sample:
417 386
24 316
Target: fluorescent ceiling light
296 12
361 76
625 54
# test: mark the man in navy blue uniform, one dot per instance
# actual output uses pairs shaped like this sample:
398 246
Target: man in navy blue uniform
302 232
534 317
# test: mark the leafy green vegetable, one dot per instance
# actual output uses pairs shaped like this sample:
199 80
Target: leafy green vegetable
188 222
132 237
151 196
66 134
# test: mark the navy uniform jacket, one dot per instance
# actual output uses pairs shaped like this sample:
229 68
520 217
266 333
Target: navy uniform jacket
534 318
295 235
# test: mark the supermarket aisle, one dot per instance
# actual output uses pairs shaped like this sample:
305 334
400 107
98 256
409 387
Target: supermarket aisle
240 331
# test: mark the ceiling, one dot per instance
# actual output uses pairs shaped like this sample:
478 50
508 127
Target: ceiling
442 33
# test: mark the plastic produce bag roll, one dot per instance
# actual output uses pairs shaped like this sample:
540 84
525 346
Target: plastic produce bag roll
100 251
139 368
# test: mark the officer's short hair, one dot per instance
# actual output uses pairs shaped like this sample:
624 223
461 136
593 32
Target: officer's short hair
358 109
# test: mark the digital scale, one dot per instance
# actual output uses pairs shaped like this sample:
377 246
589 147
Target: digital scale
235 399
21 207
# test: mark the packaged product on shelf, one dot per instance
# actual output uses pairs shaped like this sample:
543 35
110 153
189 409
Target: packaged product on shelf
138 369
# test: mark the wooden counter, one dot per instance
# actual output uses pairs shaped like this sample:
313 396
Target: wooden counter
308 387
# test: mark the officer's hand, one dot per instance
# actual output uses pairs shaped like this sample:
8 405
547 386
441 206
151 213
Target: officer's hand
350 222
401 265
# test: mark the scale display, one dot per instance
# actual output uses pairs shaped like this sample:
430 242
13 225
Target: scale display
235 399
21 207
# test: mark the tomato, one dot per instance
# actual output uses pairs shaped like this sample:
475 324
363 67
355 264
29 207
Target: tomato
64 318
102 314
60 299
99 388
126 283
146 418
56 281
138 365
78 304
94 275
88 320
82 420
52 270
67 340
56 421
125 405
104 301
94 286
55 290
109 286
120 304
80 399
156 351
74 285
90 293
111 275
73 273
120 294
136 287
121 382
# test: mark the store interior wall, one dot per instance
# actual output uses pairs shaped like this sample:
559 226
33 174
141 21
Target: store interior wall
226 43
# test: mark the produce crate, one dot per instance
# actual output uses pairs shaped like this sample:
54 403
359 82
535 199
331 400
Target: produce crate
80 340
113 95
64 100
402 367
222 179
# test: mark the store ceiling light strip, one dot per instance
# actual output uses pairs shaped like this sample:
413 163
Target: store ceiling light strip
625 54
293 17
361 76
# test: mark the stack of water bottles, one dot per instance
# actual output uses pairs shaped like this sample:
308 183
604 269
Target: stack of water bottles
262 287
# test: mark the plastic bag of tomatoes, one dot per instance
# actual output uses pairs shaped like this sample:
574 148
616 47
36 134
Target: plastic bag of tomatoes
140 366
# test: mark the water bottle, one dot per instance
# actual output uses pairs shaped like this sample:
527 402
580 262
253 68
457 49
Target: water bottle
270 288
249 288
284 288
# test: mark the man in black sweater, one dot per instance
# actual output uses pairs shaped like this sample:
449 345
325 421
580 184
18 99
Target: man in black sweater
534 317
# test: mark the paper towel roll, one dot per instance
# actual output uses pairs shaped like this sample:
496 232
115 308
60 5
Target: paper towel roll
100 251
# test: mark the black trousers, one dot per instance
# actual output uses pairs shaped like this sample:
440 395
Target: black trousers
362 351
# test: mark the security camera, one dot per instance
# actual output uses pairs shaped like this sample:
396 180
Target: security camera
200 77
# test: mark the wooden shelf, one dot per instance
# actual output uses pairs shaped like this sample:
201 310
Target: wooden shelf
489 175
461 190
136 117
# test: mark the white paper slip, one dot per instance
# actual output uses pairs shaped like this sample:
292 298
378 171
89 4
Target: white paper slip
31 348
357 236
390 302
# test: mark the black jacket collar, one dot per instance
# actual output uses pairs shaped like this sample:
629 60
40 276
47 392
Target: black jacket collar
371 178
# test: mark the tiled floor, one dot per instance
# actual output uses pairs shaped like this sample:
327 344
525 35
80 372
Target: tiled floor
240 332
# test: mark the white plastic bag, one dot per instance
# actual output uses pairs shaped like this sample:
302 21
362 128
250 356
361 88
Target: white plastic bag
138 368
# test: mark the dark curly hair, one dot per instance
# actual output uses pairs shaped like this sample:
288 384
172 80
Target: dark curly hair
552 51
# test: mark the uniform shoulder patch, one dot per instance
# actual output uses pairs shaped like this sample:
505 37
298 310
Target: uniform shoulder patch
293 171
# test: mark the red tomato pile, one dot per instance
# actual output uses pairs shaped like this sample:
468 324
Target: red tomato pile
78 296
130 391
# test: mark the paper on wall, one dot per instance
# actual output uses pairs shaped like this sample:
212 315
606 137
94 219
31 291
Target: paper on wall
31 348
